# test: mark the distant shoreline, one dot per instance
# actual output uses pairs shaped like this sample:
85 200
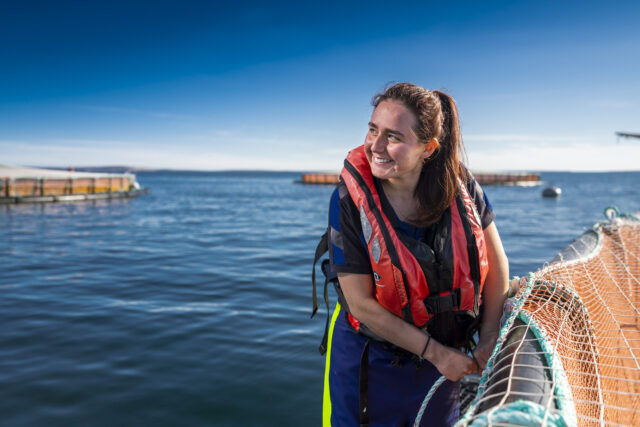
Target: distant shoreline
131 169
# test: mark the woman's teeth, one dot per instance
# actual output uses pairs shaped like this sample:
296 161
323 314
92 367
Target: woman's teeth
380 160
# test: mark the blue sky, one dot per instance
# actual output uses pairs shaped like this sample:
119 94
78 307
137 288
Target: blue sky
287 85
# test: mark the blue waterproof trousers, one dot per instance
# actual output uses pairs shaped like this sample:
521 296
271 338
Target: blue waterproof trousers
395 393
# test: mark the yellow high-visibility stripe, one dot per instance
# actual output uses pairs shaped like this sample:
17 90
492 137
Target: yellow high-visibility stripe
326 397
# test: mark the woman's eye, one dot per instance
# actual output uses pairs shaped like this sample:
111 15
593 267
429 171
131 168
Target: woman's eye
393 138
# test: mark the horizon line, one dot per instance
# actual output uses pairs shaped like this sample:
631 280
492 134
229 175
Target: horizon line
324 171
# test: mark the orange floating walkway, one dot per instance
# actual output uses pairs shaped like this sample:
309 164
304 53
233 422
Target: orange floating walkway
32 185
481 177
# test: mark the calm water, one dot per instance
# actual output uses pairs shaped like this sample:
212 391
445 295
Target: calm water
190 305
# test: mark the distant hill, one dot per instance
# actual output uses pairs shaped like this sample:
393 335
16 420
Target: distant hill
100 169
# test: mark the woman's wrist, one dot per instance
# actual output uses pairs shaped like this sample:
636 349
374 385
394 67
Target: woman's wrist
425 348
432 352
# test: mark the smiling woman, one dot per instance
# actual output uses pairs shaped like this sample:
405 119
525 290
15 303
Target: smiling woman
415 251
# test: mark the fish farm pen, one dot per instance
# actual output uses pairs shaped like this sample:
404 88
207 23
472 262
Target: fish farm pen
32 185
569 349
482 178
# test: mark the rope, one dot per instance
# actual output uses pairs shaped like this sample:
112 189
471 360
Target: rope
512 307
520 413
427 398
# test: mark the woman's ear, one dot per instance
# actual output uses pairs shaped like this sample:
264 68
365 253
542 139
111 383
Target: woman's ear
431 146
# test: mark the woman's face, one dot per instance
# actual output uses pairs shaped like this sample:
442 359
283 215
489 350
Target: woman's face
391 145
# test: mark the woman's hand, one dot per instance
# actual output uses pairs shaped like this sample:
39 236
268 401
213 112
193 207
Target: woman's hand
451 363
359 293
483 350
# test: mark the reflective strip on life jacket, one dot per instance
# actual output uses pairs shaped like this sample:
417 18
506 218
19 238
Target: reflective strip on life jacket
469 275
401 285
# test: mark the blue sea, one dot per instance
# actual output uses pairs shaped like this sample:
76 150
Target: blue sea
190 305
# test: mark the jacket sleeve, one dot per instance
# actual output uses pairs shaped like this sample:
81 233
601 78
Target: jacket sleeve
485 210
347 248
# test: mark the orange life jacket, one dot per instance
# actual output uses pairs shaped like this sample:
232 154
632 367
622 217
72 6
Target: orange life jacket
399 272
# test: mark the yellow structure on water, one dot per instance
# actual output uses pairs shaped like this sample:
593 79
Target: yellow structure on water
29 185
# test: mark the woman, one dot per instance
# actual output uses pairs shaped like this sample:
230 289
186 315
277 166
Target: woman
416 251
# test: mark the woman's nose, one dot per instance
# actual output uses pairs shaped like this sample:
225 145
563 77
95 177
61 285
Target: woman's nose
378 143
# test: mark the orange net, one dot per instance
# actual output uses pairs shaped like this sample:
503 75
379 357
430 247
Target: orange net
573 347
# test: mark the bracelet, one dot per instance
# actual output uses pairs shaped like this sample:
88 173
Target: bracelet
425 347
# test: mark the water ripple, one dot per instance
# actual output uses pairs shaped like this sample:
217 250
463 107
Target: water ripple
191 305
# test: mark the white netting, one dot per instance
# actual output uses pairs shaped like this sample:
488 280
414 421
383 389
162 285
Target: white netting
570 348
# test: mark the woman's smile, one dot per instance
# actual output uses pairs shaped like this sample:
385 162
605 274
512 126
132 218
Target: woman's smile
381 160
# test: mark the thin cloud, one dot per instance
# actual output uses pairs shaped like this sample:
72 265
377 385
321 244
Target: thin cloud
612 104
525 138
261 154
176 156
587 157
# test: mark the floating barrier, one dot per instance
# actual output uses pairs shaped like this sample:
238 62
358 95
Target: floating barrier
569 349
507 178
320 178
31 185
482 178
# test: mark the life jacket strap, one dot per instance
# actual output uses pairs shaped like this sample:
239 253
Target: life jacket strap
321 249
363 387
329 277
441 303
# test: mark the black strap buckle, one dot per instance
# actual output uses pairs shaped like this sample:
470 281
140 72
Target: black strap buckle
442 303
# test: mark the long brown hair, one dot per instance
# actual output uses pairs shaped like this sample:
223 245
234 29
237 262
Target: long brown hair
436 117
